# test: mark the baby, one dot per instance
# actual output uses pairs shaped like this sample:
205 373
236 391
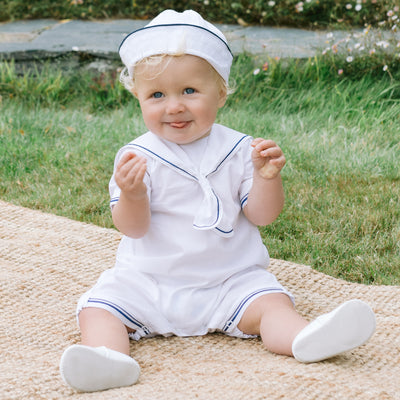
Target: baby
188 196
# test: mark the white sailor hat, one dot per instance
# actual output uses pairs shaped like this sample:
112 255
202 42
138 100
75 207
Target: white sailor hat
172 32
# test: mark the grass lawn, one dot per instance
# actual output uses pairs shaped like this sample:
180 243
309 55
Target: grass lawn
59 134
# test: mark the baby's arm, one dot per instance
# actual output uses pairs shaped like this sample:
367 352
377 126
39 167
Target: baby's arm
266 197
131 214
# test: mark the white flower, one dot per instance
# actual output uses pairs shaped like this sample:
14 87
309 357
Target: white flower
358 7
271 3
329 35
206 2
349 6
357 45
385 68
383 44
349 59
256 71
390 13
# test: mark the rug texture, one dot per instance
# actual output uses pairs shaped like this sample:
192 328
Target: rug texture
47 262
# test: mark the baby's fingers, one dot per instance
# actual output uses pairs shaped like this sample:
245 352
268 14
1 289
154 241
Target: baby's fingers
256 141
272 152
135 169
261 144
127 162
126 157
273 167
141 171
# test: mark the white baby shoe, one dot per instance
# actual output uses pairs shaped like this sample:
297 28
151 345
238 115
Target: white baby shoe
89 369
348 326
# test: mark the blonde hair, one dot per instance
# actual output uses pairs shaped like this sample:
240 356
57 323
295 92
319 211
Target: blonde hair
152 61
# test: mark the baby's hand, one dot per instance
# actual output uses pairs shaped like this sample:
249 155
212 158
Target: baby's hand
268 158
129 175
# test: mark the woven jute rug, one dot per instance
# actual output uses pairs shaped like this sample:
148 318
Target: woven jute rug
48 261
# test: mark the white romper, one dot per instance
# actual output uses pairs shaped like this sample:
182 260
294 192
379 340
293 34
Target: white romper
202 262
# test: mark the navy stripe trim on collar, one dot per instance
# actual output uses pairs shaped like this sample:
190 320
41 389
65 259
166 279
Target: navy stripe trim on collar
225 232
233 148
162 158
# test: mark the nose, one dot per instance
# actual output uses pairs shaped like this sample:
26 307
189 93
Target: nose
174 105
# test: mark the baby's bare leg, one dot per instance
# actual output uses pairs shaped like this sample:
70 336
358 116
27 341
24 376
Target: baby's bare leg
101 328
102 361
284 331
274 318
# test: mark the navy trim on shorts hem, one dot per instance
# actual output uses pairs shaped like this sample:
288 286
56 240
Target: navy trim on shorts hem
122 312
240 307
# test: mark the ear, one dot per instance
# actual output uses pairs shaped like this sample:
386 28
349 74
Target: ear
222 97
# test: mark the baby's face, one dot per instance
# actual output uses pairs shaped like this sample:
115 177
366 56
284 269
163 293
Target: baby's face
179 97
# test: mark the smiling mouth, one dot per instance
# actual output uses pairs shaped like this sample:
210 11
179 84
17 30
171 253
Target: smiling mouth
179 125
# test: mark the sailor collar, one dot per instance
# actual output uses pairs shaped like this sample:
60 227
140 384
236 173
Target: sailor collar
222 144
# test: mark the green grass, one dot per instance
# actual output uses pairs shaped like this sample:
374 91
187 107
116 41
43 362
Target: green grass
59 134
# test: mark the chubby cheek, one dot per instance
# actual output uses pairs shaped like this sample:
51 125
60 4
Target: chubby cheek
208 116
151 118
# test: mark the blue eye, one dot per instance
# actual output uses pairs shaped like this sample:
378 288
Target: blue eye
189 91
157 95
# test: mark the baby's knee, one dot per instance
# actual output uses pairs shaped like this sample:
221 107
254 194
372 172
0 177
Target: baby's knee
263 307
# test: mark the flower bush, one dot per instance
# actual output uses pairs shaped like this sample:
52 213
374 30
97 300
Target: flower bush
367 50
374 50
307 13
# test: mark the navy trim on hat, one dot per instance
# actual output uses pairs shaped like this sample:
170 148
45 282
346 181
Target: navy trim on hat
157 26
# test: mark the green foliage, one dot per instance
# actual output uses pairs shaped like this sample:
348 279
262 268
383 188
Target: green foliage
85 9
46 86
307 13
59 134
